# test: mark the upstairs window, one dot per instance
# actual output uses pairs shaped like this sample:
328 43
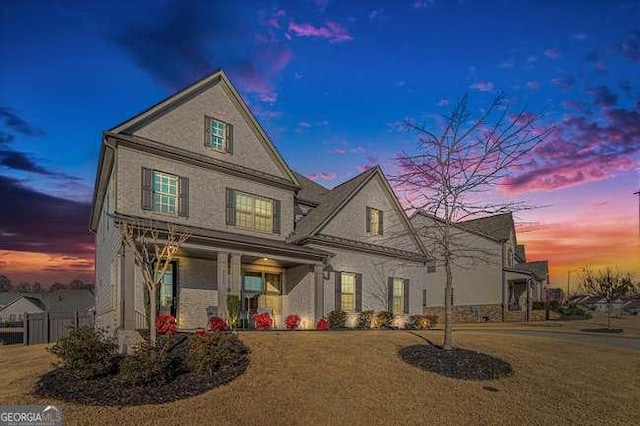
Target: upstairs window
251 211
165 193
218 135
374 221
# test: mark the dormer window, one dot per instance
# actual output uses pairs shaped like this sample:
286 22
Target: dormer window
218 135
374 221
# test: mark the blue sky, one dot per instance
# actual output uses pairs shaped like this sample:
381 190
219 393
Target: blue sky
330 81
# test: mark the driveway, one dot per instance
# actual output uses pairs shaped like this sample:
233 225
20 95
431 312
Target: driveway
595 339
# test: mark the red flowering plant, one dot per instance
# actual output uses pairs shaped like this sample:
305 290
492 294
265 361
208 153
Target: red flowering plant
292 321
166 324
217 324
263 321
201 333
323 324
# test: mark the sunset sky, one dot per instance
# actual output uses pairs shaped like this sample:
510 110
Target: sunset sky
330 81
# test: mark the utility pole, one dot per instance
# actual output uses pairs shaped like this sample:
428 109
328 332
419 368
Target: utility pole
638 194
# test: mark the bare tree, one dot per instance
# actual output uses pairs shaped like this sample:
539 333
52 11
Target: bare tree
608 284
451 169
153 249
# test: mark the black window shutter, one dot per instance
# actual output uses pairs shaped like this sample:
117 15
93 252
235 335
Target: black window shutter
424 298
229 132
276 216
183 197
390 294
380 223
231 206
358 292
147 189
338 298
406 296
368 219
207 131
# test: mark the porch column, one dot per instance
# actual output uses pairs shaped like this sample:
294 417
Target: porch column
223 283
318 294
236 273
128 283
529 302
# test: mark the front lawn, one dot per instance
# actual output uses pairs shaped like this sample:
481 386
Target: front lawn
358 378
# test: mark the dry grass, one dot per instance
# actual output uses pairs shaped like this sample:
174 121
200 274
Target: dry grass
357 378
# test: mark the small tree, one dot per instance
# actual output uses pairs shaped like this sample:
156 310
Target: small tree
608 284
467 157
153 250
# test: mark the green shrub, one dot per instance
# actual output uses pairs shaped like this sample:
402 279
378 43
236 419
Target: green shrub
337 319
384 319
87 353
212 352
365 319
421 322
149 365
574 311
233 308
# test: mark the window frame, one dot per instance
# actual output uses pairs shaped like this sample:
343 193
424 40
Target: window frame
398 295
154 192
254 214
209 133
374 225
343 293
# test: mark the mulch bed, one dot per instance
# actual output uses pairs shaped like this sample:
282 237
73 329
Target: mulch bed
456 363
108 390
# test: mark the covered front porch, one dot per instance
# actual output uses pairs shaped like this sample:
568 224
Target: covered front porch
234 279
519 294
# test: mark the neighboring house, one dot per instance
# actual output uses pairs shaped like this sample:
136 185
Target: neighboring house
63 301
19 305
260 231
492 280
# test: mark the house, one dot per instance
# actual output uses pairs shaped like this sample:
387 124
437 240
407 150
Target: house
491 278
13 306
259 230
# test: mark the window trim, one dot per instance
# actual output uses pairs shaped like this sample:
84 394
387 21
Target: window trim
354 276
270 219
395 296
227 143
176 197
374 228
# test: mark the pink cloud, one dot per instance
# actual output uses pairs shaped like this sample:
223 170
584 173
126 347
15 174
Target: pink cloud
581 150
357 150
483 86
565 83
304 124
338 151
328 175
532 85
256 76
313 176
331 31
553 52
363 168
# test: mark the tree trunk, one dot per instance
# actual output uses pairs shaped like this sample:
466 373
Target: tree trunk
152 315
448 307
609 315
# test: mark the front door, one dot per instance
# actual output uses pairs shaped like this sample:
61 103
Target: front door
167 292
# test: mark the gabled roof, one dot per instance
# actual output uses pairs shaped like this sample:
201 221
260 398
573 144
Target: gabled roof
540 269
7 298
329 205
520 253
59 301
498 226
457 225
310 191
105 162
34 301
334 200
